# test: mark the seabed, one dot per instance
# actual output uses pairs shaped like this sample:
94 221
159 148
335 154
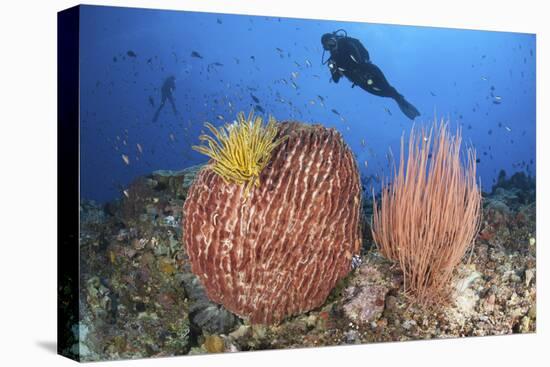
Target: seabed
138 297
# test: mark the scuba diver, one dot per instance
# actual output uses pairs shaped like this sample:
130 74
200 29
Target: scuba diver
348 57
166 90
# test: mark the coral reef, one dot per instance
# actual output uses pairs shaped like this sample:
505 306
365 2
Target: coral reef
510 206
278 250
146 302
429 215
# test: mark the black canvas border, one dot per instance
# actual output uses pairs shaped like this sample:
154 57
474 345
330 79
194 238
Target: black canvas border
68 132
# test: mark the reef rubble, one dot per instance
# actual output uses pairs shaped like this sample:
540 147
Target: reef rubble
138 297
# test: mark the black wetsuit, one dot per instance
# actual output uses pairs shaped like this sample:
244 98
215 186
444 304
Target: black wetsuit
166 90
351 59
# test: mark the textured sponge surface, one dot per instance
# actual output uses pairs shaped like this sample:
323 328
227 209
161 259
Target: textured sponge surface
281 249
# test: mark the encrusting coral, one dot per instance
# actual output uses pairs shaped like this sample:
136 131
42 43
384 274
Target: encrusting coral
429 216
279 249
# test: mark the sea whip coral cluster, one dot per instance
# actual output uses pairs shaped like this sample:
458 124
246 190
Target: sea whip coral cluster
278 250
429 216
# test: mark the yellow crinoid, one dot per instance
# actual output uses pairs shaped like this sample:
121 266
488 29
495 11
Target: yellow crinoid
242 149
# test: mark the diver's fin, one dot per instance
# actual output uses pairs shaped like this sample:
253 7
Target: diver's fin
408 109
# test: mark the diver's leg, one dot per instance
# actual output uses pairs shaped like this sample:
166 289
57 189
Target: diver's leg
161 105
381 87
171 99
377 82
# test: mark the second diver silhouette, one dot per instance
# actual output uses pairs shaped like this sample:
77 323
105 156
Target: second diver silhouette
166 91
348 57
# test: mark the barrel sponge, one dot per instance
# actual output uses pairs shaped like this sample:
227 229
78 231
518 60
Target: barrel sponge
277 248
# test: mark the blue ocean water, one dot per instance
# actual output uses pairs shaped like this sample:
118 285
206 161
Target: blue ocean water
482 81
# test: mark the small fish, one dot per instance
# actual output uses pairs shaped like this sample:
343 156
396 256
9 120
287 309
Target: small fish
131 53
432 93
126 159
253 58
294 85
353 58
172 137
483 78
321 98
212 65
335 112
278 49
151 101
140 149
387 110
220 117
294 74
126 193
363 143
196 54
308 63
254 98
507 128
259 108
219 21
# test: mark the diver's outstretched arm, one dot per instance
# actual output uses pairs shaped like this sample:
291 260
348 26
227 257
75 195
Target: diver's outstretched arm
335 74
